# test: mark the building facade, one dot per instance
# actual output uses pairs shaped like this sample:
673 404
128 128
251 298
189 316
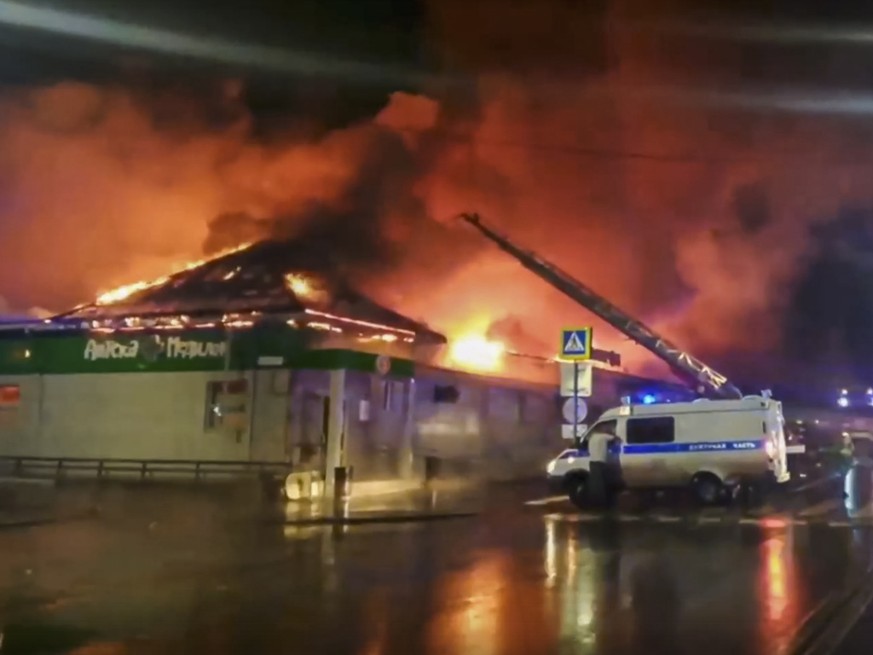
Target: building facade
271 394
275 395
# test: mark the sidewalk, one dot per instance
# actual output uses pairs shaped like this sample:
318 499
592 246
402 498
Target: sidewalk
395 506
27 503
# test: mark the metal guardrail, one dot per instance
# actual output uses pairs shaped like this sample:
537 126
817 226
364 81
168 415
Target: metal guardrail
104 468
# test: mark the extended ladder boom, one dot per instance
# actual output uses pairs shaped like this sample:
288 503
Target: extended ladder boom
686 365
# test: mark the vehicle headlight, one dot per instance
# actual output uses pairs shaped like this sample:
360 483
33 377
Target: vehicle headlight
550 467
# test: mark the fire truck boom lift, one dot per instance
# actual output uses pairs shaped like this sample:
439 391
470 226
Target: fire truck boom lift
684 364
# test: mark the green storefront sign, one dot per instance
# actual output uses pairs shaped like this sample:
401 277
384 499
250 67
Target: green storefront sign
185 350
154 347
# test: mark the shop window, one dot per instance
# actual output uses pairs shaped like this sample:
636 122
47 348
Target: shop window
445 394
226 404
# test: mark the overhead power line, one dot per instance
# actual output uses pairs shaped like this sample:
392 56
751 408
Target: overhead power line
581 150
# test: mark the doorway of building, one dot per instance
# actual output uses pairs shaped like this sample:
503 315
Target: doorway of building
311 444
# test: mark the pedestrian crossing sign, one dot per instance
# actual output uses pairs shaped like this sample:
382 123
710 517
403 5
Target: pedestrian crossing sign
576 343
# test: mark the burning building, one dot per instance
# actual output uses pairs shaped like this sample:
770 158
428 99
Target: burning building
264 356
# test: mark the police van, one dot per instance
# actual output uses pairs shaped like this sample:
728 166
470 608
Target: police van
710 445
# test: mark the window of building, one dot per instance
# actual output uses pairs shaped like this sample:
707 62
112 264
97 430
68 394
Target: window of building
325 418
392 395
10 396
387 395
10 402
657 429
226 402
445 394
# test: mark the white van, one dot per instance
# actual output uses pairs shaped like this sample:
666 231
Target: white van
711 445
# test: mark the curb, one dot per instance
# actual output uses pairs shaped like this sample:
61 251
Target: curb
711 521
30 523
378 518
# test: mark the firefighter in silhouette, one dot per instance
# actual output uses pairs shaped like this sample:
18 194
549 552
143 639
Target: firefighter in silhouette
839 453
601 479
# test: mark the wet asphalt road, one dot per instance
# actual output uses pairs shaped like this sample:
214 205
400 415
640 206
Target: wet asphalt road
174 573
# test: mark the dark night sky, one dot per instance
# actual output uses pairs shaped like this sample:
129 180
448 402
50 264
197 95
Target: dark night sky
395 33
385 32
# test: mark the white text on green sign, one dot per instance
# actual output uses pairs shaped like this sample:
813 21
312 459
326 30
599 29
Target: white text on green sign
171 348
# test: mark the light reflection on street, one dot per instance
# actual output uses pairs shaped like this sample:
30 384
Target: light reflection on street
777 597
779 589
376 612
585 580
471 600
504 584
550 558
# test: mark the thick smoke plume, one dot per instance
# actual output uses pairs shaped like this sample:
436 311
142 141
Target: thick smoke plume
693 217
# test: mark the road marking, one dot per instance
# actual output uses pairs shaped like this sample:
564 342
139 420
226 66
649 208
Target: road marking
574 518
815 515
864 512
814 483
821 508
548 500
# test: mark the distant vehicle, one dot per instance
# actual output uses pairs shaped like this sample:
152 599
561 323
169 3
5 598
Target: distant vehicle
711 446
862 446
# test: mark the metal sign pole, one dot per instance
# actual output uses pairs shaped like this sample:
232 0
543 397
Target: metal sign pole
575 400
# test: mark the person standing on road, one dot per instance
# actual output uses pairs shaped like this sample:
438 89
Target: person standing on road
598 456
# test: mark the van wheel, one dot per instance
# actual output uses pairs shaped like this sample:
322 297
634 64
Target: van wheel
577 490
707 489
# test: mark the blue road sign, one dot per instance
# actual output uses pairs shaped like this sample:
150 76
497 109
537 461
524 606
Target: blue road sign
576 343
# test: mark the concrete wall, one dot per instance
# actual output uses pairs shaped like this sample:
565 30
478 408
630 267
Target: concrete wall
376 416
496 429
139 416
269 431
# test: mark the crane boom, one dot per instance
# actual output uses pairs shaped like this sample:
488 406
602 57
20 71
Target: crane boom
686 365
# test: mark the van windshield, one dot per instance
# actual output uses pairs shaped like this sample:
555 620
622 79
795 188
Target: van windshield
608 427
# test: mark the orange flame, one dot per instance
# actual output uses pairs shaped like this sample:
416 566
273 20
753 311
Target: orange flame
477 353
298 285
123 292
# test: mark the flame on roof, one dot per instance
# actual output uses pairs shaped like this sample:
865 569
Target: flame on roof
235 288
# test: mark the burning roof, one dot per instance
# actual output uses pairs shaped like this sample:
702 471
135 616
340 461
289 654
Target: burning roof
288 279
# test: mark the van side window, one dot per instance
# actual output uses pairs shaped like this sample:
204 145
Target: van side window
657 429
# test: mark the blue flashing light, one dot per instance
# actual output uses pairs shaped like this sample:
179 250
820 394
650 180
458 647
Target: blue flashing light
843 401
649 399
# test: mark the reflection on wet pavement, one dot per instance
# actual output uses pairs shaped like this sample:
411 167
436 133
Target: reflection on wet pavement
509 581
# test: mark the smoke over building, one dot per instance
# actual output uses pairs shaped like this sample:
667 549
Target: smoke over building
691 208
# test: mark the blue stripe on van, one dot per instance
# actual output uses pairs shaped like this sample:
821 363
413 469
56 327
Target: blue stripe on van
674 448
